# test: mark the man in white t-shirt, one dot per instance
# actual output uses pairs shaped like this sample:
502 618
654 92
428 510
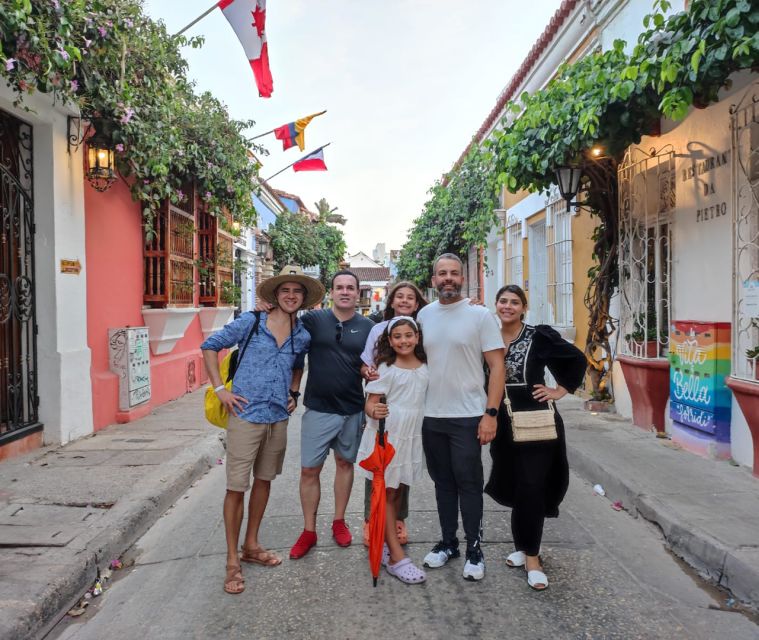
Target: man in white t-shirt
460 416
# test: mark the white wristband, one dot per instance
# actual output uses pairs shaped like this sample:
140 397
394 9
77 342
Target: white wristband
219 388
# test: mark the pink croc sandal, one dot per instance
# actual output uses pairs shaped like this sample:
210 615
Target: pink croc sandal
406 571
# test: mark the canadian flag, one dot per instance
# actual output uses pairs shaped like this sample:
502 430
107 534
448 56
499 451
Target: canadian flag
248 19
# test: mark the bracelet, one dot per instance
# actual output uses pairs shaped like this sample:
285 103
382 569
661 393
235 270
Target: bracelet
219 388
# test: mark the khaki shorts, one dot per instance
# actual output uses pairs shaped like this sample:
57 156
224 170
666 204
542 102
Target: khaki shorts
259 448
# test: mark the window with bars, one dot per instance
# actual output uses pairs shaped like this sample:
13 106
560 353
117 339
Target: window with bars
514 253
187 248
646 202
559 262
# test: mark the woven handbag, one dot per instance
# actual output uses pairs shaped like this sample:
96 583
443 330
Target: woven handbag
532 426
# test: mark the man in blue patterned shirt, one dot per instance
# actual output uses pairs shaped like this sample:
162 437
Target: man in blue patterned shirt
263 394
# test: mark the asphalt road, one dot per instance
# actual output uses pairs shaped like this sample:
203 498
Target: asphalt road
611 577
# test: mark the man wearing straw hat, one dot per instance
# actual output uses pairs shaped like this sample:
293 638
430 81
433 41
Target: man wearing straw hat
263 394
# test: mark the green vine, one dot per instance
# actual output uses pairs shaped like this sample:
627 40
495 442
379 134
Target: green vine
116 64
459 214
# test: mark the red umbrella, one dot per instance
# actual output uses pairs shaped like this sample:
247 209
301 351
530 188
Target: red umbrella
376 463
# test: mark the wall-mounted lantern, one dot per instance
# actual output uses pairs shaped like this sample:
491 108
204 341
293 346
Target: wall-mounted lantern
568 180
101 159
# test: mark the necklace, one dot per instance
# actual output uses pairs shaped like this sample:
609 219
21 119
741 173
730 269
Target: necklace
510 337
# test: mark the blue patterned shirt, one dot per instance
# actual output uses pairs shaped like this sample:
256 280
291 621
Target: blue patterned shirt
264 375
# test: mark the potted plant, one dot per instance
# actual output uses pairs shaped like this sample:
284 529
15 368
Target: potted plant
753 361
600 402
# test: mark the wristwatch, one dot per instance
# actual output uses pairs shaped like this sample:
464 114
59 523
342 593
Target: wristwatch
294 394
492 412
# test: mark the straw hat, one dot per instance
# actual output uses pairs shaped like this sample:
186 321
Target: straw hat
292 273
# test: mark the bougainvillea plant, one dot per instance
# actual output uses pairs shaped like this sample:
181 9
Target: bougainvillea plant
119 66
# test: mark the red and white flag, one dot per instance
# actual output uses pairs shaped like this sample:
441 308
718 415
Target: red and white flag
248 19
314 161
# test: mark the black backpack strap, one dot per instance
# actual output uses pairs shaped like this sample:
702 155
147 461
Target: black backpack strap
235 362
253 331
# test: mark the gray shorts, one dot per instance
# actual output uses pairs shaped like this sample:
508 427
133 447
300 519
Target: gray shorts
320 432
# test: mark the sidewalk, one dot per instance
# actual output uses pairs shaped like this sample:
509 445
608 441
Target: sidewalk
66 512
708 510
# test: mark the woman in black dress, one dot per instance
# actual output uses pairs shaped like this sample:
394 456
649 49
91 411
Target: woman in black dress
531 477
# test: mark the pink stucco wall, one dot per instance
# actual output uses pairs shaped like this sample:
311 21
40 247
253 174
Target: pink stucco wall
113 236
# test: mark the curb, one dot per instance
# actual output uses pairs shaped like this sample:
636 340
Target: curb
126 522
701 551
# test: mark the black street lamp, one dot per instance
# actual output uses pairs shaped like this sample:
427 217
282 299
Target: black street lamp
568 179
100 157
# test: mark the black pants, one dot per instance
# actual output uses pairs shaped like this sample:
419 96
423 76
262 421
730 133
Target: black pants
454 463
532 465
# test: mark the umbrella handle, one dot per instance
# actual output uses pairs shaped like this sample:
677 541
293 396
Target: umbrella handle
381 432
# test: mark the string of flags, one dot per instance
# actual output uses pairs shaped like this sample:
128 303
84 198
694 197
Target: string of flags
248 20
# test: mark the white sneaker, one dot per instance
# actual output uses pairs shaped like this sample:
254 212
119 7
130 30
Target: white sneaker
474 569
440 554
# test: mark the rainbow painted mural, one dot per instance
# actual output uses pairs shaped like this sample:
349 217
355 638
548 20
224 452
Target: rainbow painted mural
699 355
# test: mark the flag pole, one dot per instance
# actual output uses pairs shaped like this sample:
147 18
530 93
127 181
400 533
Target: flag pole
310 153
198 19
261 135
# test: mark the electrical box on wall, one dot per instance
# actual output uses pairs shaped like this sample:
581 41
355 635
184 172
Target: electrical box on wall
129 359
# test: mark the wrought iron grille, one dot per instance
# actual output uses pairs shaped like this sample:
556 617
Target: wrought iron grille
646 204
537 311
514 252
559 252
19 402
744 123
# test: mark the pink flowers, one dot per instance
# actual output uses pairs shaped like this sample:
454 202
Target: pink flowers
128 113
10 63
120 147
75 85
103 32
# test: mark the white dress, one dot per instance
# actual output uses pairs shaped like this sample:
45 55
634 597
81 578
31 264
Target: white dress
405 390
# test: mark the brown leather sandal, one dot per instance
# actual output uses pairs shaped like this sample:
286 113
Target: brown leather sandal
260 556
234 582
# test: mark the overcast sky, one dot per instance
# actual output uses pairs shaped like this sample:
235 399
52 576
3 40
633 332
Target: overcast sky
406 85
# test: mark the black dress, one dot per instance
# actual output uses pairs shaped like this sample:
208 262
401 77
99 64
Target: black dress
528 355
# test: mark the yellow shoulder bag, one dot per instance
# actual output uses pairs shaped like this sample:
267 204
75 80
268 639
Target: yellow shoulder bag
216 412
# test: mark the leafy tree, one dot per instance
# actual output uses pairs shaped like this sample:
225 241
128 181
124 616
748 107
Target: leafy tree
330 240
297 240
293 240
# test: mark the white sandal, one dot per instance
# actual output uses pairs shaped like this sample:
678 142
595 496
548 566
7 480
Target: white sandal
535 577
516 559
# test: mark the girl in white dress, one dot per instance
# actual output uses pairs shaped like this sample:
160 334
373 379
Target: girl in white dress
403 381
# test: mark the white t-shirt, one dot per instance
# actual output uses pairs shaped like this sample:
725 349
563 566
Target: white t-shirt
455 337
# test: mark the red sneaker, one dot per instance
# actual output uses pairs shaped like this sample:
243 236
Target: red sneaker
341 534
303 544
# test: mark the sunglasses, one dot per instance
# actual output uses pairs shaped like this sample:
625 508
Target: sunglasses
339 332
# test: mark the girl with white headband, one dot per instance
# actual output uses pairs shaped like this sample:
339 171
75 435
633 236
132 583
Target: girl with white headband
403 382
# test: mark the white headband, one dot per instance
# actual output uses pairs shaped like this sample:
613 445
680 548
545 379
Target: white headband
396 319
